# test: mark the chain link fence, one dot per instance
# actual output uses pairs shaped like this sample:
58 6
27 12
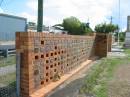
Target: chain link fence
8 76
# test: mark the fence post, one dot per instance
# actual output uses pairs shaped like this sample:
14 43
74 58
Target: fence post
18 74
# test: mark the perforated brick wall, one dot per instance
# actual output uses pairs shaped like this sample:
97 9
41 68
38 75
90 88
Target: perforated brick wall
45 57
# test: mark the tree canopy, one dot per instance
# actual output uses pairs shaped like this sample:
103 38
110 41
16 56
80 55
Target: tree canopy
75 27
106 28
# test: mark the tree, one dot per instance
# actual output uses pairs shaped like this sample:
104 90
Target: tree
72 25
121 36
85 28
106 28
75 27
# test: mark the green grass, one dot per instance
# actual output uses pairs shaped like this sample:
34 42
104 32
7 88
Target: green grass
99 76
8 79
127 51
121 43
7 61
8 85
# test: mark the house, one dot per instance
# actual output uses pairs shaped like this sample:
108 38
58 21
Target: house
10 24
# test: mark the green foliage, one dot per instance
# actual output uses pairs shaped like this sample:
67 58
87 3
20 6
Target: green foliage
85 29
11 60
72 25
8 78
121 36
105 28
75 27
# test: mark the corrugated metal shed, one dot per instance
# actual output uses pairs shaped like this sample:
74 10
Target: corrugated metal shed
10 24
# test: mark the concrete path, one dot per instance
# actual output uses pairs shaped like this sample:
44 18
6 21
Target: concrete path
8 69
117 51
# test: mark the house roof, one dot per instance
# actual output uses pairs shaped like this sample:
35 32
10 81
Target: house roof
12 16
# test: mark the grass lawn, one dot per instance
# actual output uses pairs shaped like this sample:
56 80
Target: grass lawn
8 79
127 51
96 82
7 61
8 85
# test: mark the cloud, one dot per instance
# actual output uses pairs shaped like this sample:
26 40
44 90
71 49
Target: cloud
32 4
33 18
1 11
29 16
56 10
124 10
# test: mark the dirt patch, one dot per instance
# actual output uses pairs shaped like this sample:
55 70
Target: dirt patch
120 85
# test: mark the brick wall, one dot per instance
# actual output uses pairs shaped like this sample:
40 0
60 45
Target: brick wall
101 45
45 57
110 41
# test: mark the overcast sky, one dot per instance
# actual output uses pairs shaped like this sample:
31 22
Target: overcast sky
96 11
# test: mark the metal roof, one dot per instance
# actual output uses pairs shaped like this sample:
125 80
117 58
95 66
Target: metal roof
12 16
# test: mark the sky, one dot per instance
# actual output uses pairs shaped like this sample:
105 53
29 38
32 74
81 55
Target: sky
94 11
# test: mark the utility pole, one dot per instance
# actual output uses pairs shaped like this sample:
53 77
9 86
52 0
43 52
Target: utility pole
40 16
119 25
111 20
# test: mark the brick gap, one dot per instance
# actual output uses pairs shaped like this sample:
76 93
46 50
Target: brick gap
55 47
47 67
42 42
58 63
36 57
55 70
51 78
47 55
51 66
47 74
22 89
55 53
51 54
55 64
36 72
47 61
46 80
36 50
42 82
42 56
55 59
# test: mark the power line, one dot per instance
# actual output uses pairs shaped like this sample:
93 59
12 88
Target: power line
119 24
119 16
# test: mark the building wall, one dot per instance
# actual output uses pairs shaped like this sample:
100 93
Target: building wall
127 38
9 25
128 23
